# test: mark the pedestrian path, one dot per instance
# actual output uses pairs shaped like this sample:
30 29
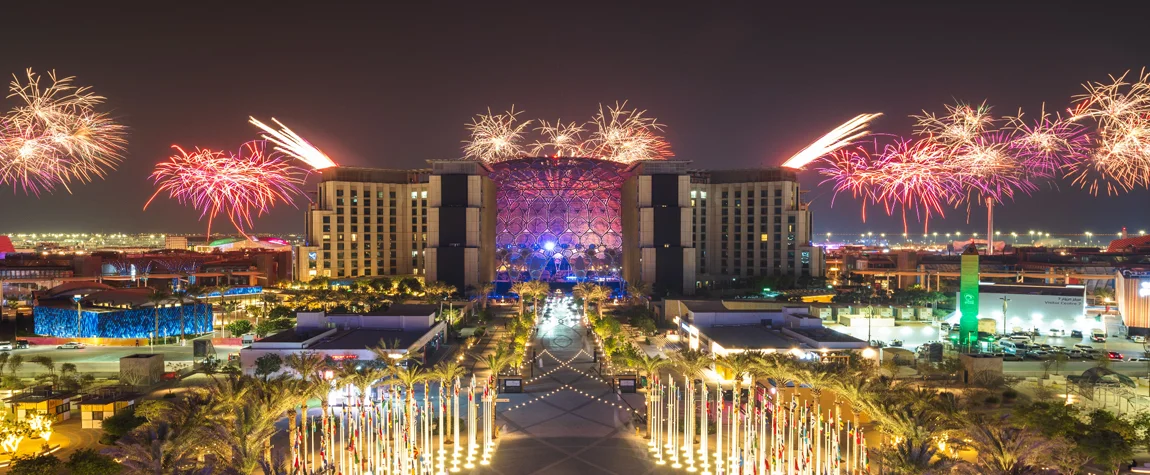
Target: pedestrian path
568 421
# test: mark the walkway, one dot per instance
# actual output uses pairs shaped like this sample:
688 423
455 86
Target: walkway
568 421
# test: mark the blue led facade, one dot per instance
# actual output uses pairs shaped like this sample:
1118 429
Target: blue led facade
253 290
122 323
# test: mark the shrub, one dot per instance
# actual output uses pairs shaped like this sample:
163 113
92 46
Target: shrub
90 462
122 422
992 399
239 327
45 464
1009 394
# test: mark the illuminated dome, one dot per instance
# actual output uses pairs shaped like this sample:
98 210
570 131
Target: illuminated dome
559 219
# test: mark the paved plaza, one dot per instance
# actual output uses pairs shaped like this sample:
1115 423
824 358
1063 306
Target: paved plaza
568 421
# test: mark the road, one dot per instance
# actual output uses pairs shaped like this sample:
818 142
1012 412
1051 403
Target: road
106 359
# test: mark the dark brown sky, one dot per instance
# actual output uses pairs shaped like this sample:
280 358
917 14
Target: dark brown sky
392 86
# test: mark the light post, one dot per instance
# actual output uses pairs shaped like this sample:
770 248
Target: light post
1004 301
79 315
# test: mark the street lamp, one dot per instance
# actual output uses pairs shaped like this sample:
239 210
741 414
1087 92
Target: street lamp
1004 300
79 315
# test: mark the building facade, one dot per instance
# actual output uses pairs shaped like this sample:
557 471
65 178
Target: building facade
559 219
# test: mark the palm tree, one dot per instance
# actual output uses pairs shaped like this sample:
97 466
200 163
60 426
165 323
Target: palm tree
485 289
383 353
1004 450
447 372
739 364
650 367
583 290
157 298
639 290
522 290
247 431
915 432
229 307
437 291
154 449
597 296
307 364
496 362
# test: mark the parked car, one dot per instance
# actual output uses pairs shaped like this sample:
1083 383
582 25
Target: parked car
1137 358
1076 354
1076 333
1084 347
1038 354
71 345
1059 349
1114 356
6 346
1139 339
1045 347
1020 338
21 344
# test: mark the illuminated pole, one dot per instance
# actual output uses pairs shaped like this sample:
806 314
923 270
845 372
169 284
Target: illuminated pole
719 429
674 447
441 457
703 433
470 425
689 430
657 447
455 426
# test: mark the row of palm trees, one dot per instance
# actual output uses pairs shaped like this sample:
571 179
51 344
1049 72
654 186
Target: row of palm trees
923 429
227 426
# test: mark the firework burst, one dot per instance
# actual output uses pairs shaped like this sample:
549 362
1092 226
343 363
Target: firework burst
495 137
1119 157
961 125
292 144
237 185
837 138
558 138
1047 145
903 176
56 137
626 135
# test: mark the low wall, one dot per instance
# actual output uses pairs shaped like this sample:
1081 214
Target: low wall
50 340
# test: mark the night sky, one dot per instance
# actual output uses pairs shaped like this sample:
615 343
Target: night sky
381 86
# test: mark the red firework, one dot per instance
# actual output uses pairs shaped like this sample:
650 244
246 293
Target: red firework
239 185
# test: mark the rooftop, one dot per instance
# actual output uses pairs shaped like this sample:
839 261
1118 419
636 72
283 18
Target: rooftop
293 335
408 310
750 337
826 335
362 339
110 398
1031 289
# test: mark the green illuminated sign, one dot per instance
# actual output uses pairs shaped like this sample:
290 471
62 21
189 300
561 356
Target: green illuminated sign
968 296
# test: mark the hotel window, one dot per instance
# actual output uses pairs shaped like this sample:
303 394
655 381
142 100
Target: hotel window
379 195
338 192
763 237
694 194
414 194
326 219
327 228
423 194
